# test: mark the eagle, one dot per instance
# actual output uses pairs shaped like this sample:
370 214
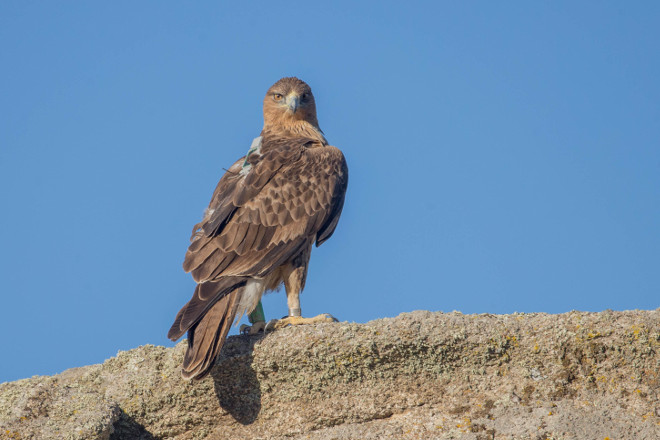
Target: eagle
267 211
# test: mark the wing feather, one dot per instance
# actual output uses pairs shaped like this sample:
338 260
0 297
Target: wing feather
229 258
293 196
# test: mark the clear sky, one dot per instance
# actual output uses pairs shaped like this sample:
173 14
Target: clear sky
503 157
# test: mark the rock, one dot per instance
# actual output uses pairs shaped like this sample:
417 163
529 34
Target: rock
420 375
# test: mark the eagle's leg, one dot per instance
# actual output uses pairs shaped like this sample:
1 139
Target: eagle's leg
257 319
294 281
293 286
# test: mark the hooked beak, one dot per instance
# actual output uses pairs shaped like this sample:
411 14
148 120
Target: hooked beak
292 102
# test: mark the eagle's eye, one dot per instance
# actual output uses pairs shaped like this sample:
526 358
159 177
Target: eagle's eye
305 96
278 97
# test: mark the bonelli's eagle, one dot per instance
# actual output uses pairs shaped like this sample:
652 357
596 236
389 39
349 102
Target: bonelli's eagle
267 211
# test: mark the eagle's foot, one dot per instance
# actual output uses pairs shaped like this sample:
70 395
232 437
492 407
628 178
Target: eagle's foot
276 324
256 328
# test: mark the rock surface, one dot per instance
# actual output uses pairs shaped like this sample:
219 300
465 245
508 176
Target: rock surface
420 375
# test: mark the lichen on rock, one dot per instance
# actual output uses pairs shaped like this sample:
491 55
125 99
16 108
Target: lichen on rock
421 375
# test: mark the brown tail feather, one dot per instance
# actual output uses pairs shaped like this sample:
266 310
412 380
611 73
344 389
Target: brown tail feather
205 339
204 297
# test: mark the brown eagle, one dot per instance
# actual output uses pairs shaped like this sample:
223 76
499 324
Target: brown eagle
271 205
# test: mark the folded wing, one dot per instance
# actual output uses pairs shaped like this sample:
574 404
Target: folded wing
291 196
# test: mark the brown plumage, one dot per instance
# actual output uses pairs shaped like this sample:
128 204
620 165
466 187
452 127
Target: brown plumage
265 214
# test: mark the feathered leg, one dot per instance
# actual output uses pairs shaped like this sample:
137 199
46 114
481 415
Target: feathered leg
294 282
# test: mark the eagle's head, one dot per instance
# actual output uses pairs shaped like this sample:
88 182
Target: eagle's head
289 103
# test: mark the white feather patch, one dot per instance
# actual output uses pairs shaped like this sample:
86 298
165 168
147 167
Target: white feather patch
255 148
252 293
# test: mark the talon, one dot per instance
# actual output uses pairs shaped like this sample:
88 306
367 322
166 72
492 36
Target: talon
329 317
275 324
271 325
253 329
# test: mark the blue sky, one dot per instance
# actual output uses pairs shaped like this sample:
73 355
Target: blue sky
503 157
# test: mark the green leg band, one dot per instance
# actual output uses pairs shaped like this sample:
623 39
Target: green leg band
257 314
